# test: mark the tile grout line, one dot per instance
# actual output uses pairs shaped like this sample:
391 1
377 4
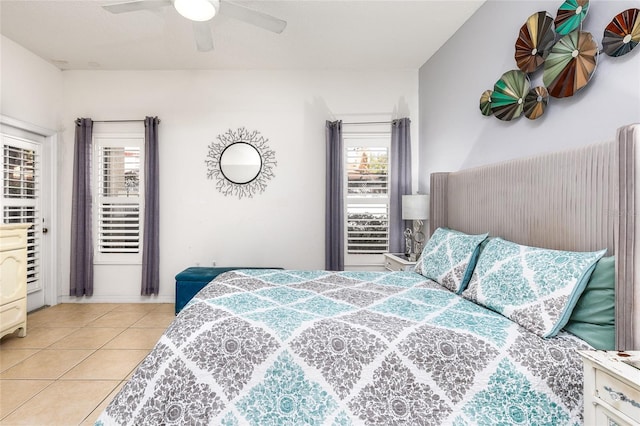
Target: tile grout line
120 381
103 400
124 379
33 396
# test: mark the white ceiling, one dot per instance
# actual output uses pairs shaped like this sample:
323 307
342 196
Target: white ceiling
344 34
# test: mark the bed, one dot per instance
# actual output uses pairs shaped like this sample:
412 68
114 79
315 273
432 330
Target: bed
273 347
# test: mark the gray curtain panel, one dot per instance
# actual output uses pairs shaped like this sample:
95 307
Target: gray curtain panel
399 181
334 217
81 279
151 238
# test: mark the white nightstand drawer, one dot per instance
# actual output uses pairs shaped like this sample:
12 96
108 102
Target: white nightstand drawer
611 388
392 265
619 395
605 417
397 262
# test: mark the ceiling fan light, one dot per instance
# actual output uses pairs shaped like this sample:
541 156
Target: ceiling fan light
196 10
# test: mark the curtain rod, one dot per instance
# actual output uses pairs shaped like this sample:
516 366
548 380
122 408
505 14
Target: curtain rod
370 122
118 121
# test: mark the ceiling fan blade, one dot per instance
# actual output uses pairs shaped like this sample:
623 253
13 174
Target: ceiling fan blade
203 36
253 17
135 5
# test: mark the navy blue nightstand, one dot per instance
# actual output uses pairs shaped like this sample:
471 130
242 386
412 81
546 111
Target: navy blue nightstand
192 280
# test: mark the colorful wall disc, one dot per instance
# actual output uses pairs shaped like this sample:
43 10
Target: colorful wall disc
622 34
570 15
534 41
507 101
570 64
535 103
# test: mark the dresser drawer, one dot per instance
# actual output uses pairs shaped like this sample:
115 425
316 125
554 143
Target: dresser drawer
13 314
13 273
13 237
618 395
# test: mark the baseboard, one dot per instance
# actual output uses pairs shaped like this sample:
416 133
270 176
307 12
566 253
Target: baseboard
116 299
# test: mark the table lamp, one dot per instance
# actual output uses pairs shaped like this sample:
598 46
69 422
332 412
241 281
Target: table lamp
415 208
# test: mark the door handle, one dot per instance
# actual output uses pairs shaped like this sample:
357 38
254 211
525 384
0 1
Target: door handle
45 230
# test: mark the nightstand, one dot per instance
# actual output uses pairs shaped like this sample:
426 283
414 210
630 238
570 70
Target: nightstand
611 388
398 262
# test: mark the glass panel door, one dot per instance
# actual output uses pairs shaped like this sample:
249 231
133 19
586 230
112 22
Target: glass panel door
21 193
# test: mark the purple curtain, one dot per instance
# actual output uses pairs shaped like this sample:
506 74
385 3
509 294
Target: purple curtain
399 180
81 278
334 206
151 238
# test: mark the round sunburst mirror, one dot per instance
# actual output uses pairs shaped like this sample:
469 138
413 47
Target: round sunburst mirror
241 162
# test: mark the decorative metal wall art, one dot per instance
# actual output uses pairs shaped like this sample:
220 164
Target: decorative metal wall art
241 162
507 100
570 15
567 63
536 102
485 102
570 64
622 34
536 38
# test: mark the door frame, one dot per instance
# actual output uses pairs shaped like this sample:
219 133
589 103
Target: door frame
49 206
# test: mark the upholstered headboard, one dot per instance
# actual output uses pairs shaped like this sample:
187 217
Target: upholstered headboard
583 199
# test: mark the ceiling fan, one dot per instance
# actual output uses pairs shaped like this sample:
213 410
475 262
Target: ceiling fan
201 12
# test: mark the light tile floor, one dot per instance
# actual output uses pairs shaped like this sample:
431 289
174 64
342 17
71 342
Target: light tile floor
74 360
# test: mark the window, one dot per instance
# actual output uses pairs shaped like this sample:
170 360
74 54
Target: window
367 197
119 194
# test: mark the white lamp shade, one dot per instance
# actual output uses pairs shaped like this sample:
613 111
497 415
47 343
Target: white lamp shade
415 207
196 10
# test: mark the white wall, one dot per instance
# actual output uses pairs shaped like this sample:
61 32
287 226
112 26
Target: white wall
453 133
30 97
30 87
284 226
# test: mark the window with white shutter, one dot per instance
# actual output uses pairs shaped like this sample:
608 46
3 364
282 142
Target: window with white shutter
119 194
366 197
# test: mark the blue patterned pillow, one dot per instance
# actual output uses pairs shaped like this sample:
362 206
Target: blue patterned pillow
449 258
534 287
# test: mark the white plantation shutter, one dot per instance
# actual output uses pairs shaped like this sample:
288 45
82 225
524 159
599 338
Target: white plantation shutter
119 228
367 171
119 187
368 228
367 198
28 214
20 198
20 179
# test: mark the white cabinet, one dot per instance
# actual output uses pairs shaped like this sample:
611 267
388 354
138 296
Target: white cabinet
611 388
13 279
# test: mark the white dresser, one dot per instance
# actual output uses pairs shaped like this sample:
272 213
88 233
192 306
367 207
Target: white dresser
13 279
611 388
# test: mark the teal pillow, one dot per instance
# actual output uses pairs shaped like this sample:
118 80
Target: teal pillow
534 287
449 258
593 318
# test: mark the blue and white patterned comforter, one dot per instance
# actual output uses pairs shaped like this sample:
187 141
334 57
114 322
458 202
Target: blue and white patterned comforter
272 347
